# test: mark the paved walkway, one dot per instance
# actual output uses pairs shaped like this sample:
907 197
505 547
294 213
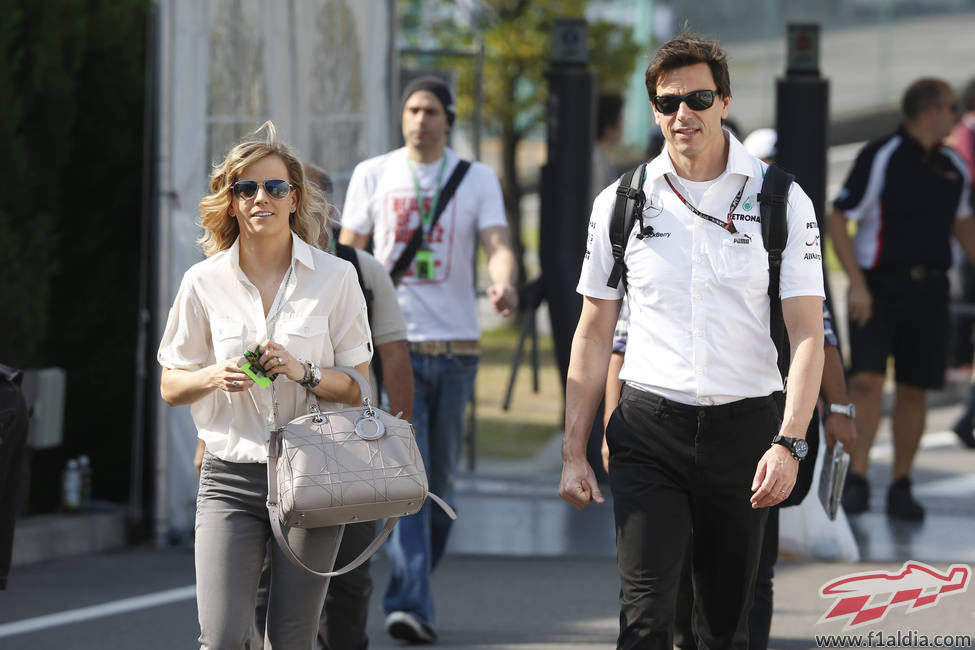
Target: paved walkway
570 604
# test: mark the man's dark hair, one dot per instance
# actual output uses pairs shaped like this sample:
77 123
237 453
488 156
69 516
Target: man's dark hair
689 49
968 96
732 125
321 180
922 95
608 110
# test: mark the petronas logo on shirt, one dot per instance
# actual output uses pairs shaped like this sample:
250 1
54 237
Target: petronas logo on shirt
747 205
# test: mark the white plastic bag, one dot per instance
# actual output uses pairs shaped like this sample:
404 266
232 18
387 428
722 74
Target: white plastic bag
806 533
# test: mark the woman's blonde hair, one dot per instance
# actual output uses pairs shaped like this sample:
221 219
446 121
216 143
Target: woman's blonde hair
220 229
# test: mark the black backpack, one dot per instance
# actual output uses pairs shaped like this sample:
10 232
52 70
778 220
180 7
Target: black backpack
348 254
772 200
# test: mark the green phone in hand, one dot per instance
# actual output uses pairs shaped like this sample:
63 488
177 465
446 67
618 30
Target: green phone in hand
251 365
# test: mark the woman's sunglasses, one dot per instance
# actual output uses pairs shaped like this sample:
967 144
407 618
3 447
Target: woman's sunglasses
276 189
699 100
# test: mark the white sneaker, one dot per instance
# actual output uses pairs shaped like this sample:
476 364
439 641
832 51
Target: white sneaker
407 627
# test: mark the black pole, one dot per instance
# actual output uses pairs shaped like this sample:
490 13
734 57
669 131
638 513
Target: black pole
802 107
802 119
564 203
135 511
565 192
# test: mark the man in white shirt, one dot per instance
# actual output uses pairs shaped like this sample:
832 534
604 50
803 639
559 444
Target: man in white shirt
691 443
394 198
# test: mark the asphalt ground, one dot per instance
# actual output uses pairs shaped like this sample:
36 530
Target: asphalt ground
482 602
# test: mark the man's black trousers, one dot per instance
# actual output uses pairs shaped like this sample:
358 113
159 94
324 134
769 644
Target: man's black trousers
674 469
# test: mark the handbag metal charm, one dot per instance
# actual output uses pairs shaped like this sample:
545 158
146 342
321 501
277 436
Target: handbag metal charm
369 427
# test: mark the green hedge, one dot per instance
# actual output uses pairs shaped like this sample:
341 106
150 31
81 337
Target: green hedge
72 126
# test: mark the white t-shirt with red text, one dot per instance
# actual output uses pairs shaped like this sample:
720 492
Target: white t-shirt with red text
382 200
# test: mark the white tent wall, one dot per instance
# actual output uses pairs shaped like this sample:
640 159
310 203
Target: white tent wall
322 71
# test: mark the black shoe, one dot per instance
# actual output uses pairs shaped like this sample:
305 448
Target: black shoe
856 494
901 503
963 429
407 627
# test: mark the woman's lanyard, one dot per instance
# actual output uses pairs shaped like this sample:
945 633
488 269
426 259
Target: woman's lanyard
728 225
426 216
271 320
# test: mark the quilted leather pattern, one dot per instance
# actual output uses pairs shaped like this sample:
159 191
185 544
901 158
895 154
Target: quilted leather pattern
328 475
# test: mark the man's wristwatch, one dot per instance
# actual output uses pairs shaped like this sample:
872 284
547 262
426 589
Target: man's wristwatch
798 447
312 377
848 410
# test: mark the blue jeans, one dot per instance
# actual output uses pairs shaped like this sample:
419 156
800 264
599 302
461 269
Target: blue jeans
442 386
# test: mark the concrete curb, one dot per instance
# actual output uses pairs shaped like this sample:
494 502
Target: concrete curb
46 537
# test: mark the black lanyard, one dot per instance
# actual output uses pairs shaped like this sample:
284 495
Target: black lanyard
426 216
728 225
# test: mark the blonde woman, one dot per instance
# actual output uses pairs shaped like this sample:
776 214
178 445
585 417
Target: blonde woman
264 282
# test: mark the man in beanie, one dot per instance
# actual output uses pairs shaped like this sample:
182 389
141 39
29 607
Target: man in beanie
430 253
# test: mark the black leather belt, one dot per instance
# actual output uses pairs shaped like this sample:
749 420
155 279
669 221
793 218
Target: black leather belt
734 409
917 272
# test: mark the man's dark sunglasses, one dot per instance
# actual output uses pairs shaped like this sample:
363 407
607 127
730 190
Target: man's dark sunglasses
276 189
699 100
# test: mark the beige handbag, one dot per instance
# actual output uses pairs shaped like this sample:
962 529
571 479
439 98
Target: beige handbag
350 465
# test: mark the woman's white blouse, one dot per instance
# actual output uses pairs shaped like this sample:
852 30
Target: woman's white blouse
218 313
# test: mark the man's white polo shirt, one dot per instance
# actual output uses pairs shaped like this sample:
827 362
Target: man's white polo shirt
699 307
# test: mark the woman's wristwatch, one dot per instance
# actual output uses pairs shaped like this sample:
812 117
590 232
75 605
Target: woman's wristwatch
313 375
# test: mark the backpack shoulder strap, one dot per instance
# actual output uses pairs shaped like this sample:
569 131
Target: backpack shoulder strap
773 204
629 206
348 254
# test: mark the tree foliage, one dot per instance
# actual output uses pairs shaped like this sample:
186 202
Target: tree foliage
72 127
39 83
517 44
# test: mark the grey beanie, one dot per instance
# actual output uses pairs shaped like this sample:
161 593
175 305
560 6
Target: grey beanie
435 86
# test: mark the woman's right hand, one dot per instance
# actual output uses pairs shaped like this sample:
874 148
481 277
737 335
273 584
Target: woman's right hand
229 378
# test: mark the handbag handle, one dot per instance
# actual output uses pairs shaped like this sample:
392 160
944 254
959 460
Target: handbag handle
364 388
